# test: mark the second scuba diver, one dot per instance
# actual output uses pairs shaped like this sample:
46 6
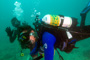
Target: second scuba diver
26 40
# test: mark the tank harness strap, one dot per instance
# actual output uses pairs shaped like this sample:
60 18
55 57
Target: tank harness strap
61 22
61 16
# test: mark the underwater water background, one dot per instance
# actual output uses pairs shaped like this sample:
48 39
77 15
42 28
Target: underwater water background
11 51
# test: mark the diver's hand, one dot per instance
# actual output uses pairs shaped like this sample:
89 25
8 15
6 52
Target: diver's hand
9 32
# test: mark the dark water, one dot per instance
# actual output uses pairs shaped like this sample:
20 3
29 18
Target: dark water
71 8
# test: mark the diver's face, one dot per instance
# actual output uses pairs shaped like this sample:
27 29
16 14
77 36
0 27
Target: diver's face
16 23
32 38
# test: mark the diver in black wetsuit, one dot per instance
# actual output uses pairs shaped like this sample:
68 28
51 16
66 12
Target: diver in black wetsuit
12 33
78 33
25 39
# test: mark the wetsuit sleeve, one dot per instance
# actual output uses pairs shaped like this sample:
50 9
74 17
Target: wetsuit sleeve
48 42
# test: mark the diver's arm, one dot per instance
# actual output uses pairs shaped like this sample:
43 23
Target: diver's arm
48 42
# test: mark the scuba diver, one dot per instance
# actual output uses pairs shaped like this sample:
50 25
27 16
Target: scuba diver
58 31
21 32
12 33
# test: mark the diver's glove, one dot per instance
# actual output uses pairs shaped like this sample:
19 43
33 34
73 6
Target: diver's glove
9 32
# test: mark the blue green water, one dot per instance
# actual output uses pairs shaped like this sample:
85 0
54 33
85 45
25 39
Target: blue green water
11 51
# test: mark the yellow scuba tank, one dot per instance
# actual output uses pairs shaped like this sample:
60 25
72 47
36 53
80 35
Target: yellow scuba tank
59 20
